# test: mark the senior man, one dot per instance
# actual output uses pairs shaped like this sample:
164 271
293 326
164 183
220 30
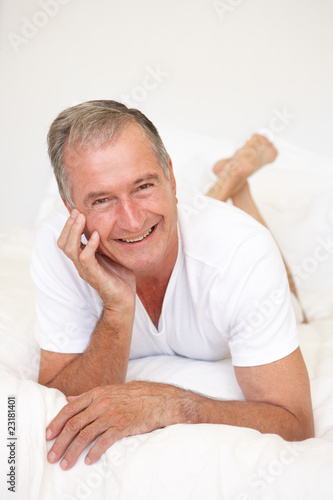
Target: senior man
136 275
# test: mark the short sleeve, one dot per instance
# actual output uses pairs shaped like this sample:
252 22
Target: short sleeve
262 327
67 307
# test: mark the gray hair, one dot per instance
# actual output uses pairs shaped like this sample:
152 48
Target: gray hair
95 124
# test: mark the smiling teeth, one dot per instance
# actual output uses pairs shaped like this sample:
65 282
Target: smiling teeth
141 237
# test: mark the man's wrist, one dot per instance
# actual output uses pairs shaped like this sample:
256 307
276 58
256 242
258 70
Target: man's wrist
185 409
117 319
124 306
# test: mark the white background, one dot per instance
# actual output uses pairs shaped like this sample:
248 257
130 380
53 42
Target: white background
225 69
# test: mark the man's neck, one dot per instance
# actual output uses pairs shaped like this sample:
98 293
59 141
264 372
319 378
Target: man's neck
152 297
154 280
151 287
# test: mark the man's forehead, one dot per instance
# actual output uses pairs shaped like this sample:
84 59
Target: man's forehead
131 136
94 143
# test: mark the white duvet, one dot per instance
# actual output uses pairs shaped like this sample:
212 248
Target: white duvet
182 461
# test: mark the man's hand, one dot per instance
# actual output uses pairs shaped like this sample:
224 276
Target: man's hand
277 401
111 412
106 358
114 283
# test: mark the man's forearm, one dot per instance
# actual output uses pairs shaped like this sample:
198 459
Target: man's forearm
138 407
105 360
264 417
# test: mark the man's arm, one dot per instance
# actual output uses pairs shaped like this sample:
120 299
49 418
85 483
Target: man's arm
104 362
277 401
106 358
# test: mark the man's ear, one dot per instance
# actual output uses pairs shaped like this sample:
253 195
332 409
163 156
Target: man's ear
172 177
67 205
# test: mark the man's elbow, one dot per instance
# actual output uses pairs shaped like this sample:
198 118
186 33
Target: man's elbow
42 380
304 428
307 430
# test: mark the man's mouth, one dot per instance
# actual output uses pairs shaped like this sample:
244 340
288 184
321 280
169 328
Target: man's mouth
134 240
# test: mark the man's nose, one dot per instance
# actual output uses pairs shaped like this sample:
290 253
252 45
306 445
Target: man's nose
130 216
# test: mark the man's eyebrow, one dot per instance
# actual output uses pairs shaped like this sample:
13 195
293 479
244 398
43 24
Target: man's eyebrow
100 194
145 178
95 194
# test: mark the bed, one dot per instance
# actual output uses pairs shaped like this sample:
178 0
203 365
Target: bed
295 196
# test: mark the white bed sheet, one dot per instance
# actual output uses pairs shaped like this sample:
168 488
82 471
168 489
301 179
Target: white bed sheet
183 461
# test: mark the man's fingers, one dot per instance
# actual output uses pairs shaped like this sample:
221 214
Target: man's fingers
79 426
71 398
73 230
103 443
62 240
107 413
70 421
67 412
69 240
65 438
86 435
83 256
87 256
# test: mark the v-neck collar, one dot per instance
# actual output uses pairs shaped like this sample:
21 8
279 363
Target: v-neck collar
175 271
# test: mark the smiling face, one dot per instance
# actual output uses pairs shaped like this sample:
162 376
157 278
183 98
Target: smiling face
125 195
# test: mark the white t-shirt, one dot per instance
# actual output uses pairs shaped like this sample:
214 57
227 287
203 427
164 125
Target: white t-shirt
228 292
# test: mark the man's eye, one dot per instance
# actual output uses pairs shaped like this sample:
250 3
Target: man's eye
99 202
144 186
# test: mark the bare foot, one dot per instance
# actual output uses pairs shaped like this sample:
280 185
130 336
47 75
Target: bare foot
233 172
256 152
